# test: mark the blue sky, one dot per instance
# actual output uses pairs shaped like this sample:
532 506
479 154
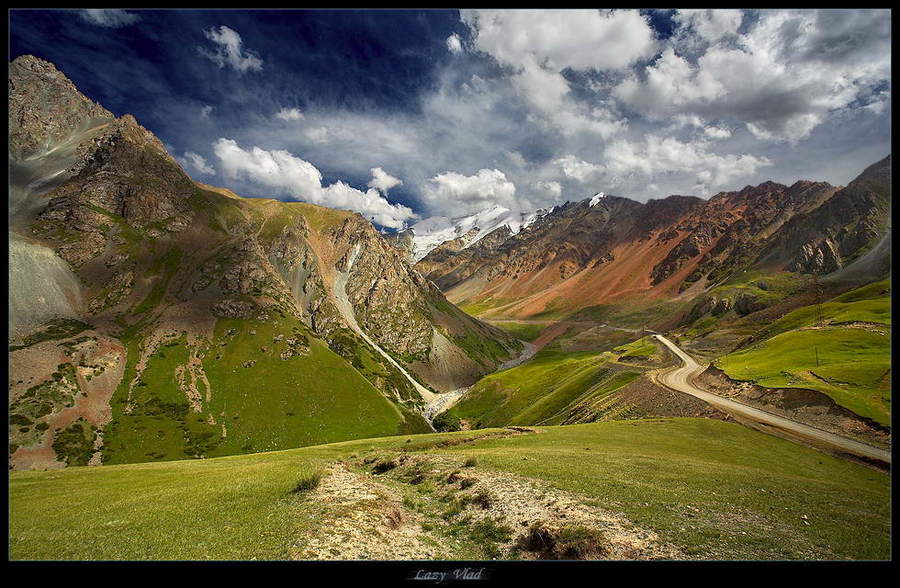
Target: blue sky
406 114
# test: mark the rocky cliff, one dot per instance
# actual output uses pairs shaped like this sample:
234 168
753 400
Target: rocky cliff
827 238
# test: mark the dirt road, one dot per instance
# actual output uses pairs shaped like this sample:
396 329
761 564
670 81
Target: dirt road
681 379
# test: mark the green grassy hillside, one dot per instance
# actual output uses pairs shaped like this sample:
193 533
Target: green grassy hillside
714 489
642 348
580 367
256 400
853 366
539 391
876 310
868 304
853 363
244 389
522 331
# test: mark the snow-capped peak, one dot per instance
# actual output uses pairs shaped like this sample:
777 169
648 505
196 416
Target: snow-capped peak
433 231
597 198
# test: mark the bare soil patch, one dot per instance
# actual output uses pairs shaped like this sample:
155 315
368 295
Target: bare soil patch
810 407
415 506
359 518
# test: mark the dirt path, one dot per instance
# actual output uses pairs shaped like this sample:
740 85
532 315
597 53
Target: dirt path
365 520
682 380
418 506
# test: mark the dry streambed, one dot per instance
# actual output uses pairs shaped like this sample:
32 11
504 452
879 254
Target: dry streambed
416 506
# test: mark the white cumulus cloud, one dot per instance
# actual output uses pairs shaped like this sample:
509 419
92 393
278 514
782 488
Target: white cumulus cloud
228 50
710 24
655 156
299 179
453 192
717 132
560 39
196 162
577 169
454 44
553 189
383 181
537 46
787 74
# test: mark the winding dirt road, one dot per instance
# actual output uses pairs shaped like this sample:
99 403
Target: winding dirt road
681 379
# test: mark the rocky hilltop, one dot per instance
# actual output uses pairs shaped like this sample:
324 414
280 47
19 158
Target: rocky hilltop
45 108
830 237
189 321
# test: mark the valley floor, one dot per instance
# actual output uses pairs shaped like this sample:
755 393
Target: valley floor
653 488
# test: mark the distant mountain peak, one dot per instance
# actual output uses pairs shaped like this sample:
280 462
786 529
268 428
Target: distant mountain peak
431 232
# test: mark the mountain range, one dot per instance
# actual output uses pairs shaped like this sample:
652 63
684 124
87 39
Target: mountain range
154 317
607 249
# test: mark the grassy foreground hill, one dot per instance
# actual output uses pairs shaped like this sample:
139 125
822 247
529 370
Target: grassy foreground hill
683 488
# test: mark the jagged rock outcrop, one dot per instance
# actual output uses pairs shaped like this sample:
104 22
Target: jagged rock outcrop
388 297
687 249
45 107
817 257
126 171
828 237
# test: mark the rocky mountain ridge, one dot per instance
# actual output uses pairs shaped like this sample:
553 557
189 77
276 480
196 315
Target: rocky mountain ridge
602 250
462 231
165 266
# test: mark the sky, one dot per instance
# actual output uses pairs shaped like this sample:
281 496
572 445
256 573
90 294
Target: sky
402 115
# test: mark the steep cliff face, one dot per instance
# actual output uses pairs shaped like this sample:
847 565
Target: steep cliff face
240 324
124 171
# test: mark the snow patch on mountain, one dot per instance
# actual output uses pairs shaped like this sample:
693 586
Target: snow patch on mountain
597 198
433 231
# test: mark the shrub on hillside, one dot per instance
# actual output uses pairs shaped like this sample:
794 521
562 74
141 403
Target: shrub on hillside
568 542
445 422
308 481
